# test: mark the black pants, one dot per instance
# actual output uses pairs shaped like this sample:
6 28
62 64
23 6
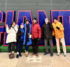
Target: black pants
12 44
35 45
19 47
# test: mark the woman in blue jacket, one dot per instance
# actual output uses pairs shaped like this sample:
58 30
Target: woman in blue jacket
27 36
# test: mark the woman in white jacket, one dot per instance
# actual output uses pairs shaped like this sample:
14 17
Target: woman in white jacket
11 38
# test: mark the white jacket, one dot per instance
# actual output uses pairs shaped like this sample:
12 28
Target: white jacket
11 34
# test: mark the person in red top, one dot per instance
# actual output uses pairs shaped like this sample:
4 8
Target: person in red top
36 35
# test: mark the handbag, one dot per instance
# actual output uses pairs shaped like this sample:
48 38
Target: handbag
29 35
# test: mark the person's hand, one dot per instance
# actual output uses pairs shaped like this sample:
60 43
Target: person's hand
58 28
29 35
53 37
42 37
49 23
38 39
6 25
22 26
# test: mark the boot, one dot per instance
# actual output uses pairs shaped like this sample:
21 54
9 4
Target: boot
10 56
26 54
37 55
13 56
32 54
20 54
17 56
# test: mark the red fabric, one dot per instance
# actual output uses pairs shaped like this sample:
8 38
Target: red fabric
36 31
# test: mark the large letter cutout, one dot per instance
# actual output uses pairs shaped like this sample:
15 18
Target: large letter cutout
9 19
2 17
41 14
24 14
65 14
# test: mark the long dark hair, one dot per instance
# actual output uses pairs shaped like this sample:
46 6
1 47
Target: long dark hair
11 24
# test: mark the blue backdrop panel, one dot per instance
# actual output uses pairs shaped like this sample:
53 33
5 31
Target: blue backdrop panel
2 19
2 36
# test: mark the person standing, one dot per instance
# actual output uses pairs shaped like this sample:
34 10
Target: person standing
58 32
47 36
27 36
19 44
36 35
11 38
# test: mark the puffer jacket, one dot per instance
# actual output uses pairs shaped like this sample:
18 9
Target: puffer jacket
58 33
11 34
36 31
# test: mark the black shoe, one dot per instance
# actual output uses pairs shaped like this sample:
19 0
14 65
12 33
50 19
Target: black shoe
46 54
20 55
17 56
51 54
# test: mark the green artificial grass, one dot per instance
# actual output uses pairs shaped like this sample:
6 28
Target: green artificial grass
40 48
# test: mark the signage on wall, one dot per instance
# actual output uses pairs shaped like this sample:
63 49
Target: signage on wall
41 15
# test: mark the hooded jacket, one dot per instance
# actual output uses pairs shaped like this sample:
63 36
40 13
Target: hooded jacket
58 33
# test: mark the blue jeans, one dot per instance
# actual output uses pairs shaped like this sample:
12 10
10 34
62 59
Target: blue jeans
19 47
26 48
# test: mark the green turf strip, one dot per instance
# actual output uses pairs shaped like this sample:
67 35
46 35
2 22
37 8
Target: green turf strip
40 49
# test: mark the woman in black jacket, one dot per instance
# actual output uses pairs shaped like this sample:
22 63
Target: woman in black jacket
19 45
47 36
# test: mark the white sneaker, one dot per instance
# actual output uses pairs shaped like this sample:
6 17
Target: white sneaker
58 53
64 54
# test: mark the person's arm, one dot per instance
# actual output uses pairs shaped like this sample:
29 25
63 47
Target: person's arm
51 27
39 29
53 33
7 29
16 28
61 27
19 34
42 32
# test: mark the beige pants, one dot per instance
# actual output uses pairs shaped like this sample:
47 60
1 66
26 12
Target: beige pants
62 40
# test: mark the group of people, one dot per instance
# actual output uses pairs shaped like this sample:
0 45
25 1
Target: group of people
30 34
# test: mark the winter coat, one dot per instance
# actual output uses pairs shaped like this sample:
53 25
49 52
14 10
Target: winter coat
36 31
25 29
22 36
47 31
19 35
58 33
11 34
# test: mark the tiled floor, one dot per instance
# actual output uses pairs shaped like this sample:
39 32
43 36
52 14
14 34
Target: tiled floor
33 61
